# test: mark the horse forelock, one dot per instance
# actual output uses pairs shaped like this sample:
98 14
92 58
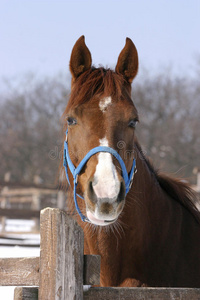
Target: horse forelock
94 82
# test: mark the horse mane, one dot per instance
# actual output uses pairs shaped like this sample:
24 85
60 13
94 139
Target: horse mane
96 81
175 188
181 192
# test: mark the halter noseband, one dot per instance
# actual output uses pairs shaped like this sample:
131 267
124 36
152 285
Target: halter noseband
128 178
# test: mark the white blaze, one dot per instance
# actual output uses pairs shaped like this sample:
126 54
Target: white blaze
103 103
106 182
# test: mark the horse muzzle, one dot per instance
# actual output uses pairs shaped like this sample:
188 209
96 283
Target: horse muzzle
104 210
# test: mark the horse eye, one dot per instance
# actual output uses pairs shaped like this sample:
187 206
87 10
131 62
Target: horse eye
132 123
71 121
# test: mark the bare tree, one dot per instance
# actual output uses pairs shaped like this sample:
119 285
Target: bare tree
30 130
170 119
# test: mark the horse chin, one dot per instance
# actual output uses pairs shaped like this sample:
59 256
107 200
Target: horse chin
99 222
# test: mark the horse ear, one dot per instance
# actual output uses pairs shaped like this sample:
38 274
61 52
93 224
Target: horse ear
81 59
127 63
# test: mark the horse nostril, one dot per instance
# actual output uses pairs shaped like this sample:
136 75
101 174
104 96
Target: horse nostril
121 195
91 193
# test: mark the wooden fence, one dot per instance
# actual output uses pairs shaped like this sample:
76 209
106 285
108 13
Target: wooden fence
61 270
25 202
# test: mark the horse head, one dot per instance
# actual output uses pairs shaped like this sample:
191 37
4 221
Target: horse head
100 112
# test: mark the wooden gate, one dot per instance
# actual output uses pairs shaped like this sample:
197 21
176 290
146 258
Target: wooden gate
62 270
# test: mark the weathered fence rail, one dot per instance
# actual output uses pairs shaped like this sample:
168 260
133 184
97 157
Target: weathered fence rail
121 294
19 213
142 294
61 270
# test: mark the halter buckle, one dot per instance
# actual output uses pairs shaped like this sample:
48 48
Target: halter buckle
131 181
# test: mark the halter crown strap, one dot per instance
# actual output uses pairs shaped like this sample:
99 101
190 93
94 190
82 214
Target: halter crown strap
128 178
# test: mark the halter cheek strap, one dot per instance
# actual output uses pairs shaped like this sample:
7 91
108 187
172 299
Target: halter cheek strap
128 178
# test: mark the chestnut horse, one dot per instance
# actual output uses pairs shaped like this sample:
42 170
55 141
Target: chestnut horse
147 234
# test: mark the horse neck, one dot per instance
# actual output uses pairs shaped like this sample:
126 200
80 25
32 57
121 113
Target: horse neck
146 201
145 188
154 213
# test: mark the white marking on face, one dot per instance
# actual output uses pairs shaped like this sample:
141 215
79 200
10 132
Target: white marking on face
103 103
106 183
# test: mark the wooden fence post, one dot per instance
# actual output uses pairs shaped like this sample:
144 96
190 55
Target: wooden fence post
61 257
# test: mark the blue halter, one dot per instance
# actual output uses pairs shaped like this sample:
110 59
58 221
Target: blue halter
128 178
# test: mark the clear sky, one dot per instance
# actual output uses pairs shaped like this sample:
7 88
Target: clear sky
38 36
